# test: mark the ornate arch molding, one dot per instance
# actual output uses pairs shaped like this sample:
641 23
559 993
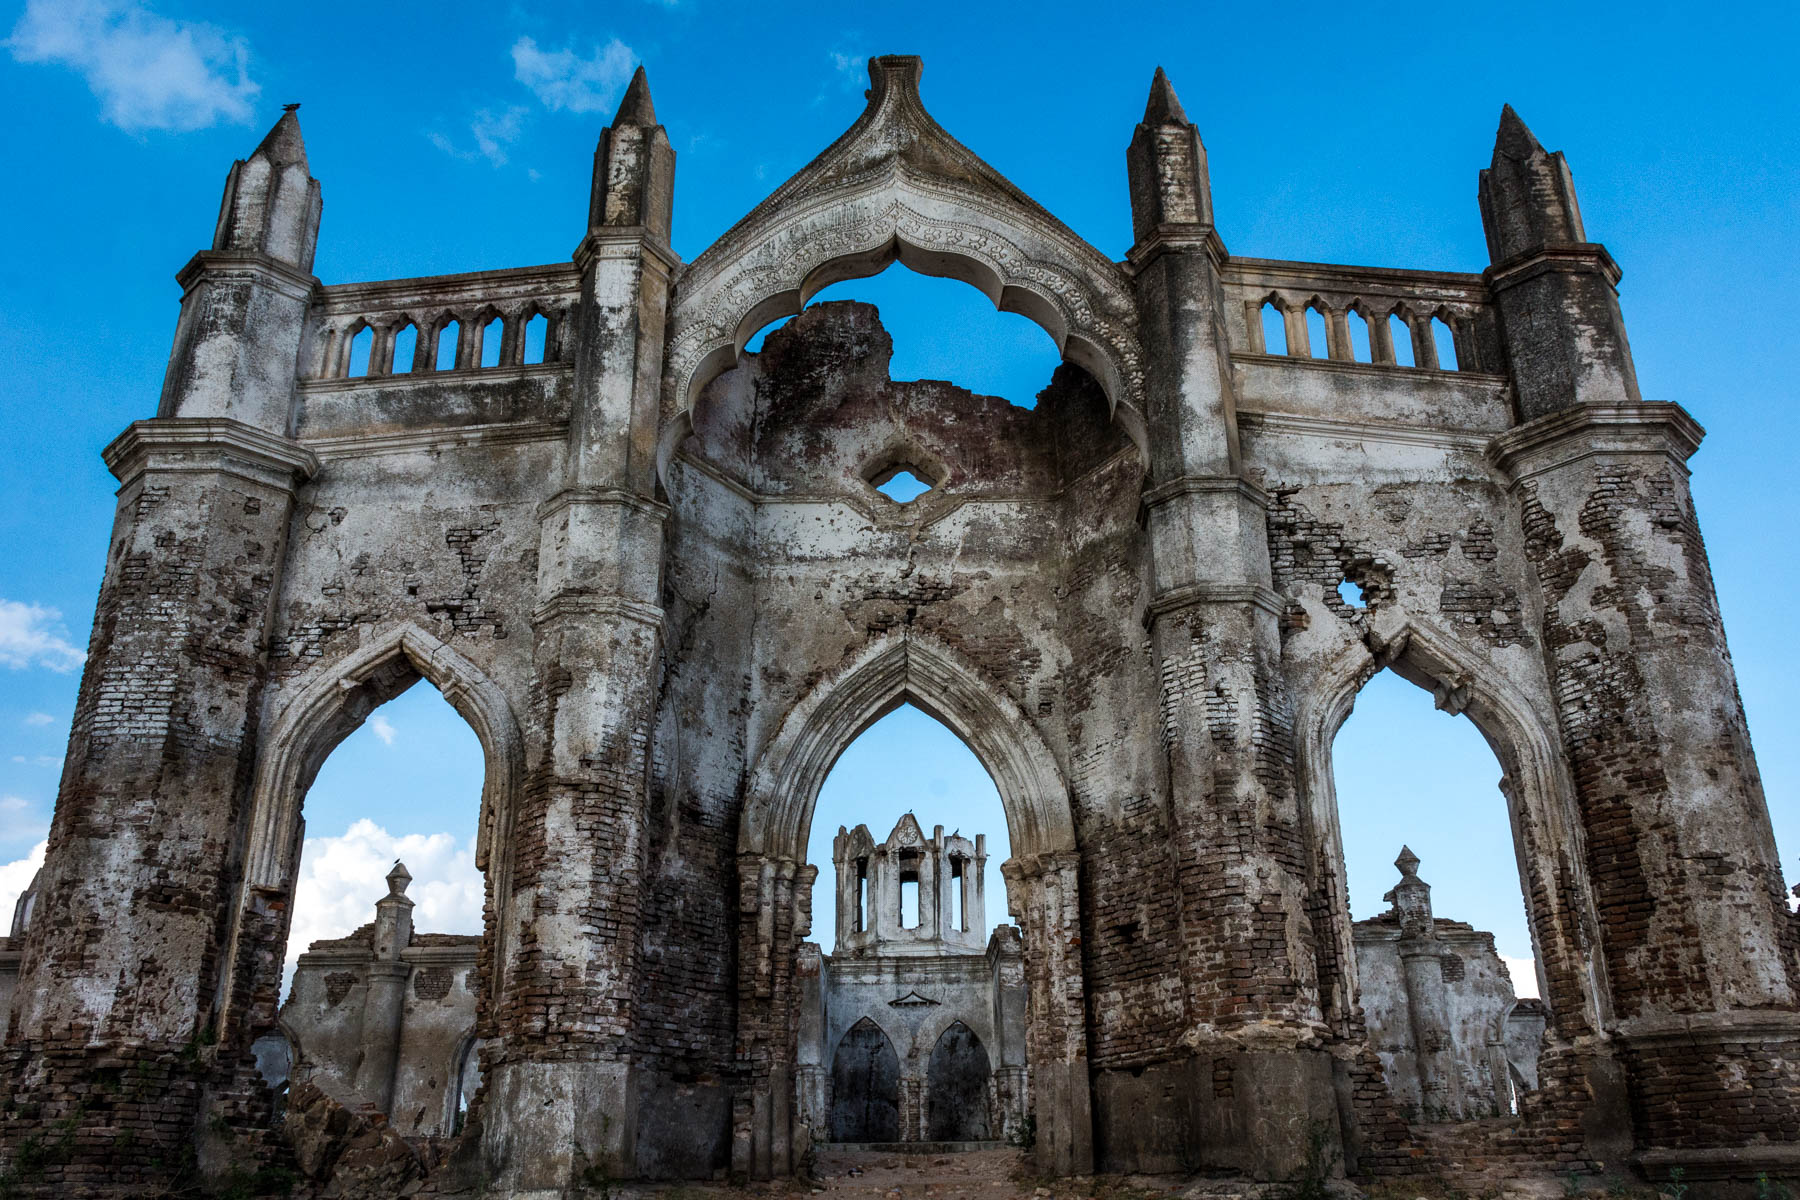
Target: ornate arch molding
1540 797
335 700
891 671
896 186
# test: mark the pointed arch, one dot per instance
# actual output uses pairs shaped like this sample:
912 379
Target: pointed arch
1547 830
900 668
334 700
897 187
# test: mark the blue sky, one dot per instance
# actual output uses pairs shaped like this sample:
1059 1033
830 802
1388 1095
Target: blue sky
460 137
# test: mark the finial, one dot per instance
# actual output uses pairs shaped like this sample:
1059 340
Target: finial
1164 107
1408 862
1514 139
288 108
398 878
636 108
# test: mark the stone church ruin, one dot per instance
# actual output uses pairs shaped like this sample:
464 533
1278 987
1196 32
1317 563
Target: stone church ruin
652 571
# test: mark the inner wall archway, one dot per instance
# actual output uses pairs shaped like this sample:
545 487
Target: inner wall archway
776 886
308 721
1546 831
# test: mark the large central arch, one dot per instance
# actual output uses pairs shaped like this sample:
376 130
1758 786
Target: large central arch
891 671
897 187
1043 885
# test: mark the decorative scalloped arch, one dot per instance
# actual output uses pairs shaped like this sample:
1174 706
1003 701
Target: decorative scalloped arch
891 671
897 187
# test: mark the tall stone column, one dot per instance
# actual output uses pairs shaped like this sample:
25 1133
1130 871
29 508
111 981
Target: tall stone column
1678 839
1043 891
562 1095
385 1007
121 964
1260 1079
1427 1001
774 917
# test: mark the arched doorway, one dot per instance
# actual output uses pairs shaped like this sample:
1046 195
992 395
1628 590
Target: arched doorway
1546 835
956 1088
865 1086
308 720
1042 881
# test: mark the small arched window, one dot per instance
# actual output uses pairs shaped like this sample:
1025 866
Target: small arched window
1274 329
357 363
1361 350
448 336
1318 338
406 348
537 330
1400 330
1444 338
492 334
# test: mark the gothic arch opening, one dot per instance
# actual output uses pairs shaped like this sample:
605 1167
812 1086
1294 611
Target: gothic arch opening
376 975
1416 975
1035 980
865 1086
956 1088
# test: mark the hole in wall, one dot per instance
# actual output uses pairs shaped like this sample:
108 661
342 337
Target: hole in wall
536 331
945 329
901 485
1351 593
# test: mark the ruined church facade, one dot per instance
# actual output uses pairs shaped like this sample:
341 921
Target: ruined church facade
652 571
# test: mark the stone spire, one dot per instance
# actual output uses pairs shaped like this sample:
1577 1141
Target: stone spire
1166 163
634 167
1527 197
272 203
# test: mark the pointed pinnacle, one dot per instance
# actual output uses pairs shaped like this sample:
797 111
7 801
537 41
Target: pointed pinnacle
1164 107
1514 140
284 146
398 878
1408 862
635 108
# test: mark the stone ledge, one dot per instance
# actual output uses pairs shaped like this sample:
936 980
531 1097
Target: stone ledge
208 445
1646 427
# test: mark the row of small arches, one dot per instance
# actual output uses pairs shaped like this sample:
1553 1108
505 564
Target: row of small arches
447 343
1401 338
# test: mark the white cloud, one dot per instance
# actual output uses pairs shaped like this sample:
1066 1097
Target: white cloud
15 877
342 877
19 820
383 728
31 636
493 133
852 66
40 719
563 79
1524 976
147 71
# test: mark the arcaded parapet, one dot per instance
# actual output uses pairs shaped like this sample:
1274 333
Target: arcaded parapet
654 573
